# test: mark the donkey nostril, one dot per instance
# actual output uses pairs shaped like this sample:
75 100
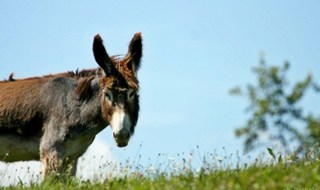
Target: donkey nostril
123 135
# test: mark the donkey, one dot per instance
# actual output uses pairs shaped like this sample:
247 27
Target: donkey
55 118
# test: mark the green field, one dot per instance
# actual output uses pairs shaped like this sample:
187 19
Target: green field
277 173
295 176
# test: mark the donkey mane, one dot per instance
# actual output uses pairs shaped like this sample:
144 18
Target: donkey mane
83 73
83 88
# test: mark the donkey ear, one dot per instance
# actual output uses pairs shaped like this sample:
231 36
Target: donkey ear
135 52
101 56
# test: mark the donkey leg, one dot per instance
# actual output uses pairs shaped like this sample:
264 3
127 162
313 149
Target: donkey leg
72 167
51 163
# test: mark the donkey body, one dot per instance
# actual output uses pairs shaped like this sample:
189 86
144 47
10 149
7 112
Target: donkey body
55 118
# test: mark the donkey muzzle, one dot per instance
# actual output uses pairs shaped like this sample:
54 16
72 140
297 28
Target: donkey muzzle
122 137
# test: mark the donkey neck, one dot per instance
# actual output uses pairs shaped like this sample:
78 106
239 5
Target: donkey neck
90 107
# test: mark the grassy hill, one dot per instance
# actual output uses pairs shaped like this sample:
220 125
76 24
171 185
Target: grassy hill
276 174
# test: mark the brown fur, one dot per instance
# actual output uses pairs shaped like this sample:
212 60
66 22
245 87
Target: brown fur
56 117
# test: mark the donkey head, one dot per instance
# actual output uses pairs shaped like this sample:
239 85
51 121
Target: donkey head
119 87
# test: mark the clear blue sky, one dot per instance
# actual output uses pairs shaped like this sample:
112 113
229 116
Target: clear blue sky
194 52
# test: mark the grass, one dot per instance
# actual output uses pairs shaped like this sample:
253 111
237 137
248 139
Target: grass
214 173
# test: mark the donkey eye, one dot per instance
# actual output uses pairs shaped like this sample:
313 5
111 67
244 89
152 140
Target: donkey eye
108 96
131 93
